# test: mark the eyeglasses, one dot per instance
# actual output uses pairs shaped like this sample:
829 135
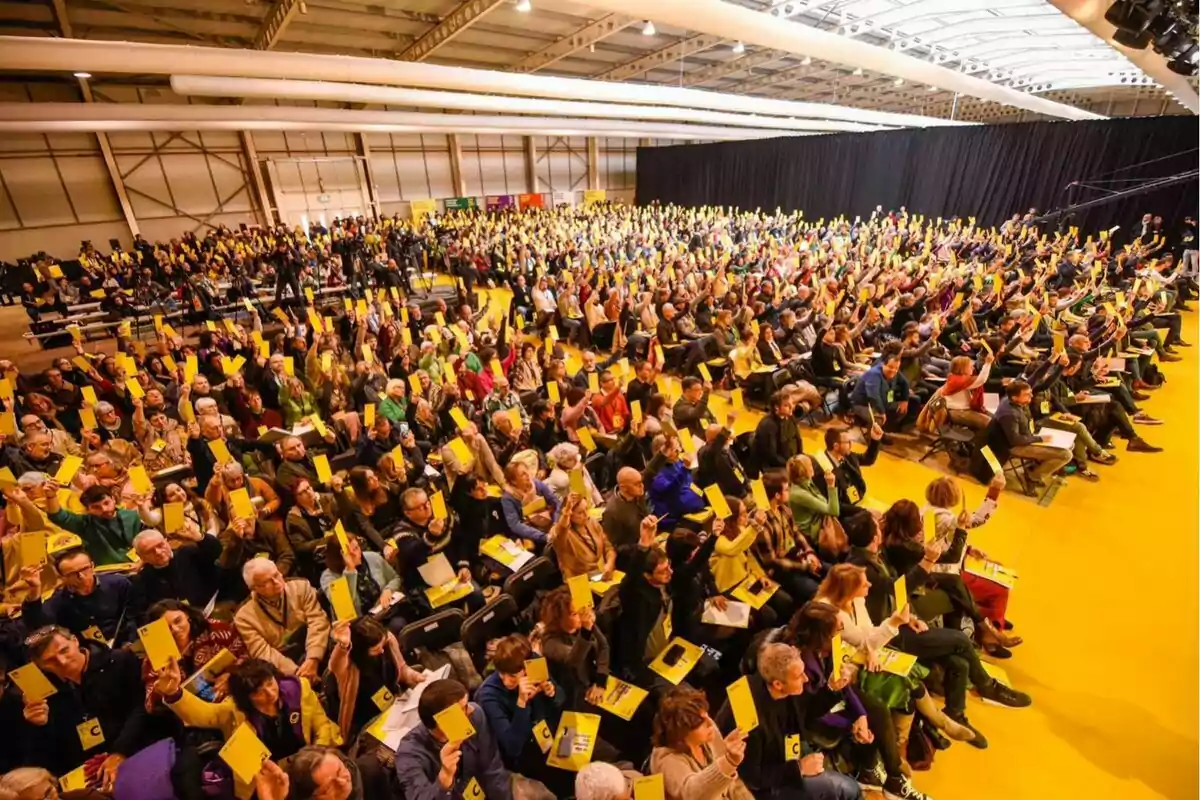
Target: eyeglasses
77 573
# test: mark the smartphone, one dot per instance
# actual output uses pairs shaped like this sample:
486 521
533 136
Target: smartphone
566 744
756 587
672 656
403 426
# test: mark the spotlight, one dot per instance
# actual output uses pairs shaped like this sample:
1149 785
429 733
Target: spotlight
648 28
524 6
806 61
1185 63
1132 19
739 48
898 82
858 71
82 74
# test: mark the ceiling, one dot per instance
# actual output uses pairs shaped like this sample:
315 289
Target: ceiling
1028 45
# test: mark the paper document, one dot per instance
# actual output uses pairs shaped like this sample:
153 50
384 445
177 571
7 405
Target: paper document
1098 397
991 402
1063 439
437 571
735 615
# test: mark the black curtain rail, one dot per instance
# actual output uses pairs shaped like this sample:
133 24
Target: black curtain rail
987 171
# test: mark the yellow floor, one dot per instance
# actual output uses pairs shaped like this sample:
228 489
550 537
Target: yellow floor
1107 605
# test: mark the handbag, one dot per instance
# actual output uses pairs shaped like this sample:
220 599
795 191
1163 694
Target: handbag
831 538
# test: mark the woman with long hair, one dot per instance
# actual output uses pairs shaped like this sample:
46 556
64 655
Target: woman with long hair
373 508
696 762
576 650
367 667
199 519
733 563
580 543
200 640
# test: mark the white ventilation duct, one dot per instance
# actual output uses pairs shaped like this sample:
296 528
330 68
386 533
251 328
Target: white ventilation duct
732 21
94 117
270 89
73 55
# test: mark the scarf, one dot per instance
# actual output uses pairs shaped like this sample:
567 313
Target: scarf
957 383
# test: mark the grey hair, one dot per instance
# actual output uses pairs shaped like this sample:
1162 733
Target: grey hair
29 479
19 781
774 660
252 567
104 407
146 534
232 468
560 451
301 767
600 781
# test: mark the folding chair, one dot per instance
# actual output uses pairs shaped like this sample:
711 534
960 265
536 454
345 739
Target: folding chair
498 618
435 632
954 441
1020 469
538 575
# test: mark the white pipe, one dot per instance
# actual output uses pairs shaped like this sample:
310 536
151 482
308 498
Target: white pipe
738 22
26 54
145 116
269 88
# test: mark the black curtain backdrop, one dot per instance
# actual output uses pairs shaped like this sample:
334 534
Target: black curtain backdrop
986 171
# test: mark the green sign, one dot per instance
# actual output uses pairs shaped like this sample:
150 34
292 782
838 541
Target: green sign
459 203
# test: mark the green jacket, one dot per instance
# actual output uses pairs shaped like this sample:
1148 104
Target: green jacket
106 540
393 410
809 508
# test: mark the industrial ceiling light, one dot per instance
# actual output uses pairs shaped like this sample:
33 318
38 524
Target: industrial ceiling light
83 74
898 82
738 47
858 71
1132 19
1185 63
648 28
524 6
806 61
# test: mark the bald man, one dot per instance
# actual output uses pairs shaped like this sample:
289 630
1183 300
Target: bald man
188 573
626 509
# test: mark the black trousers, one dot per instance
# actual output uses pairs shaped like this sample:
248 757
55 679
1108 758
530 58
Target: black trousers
956 655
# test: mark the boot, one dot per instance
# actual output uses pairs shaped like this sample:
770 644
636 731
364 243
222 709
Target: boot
990 633
938 719
903 724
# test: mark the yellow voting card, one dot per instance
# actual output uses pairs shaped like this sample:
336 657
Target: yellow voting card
74 781
460 419
66 471
321 464
900 592
135 389
649 787
369 415
593 380
242 507
341 600
33 548
536 670
460 450
552 392
930 526
583 730
89 395
454 723
585 439
340 532
621 698
682 655
533 506
220 451
139 480
289 365
716 500
759 492
158 643
581 592
172 517
245 753
579 485
437 502
741 701
635 412
32 682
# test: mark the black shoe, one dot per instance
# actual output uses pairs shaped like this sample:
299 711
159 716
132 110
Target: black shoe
1167 356
1139 396
886 440
1008 626
899 787
1181 342
939 740
1140 445
872 777
980 741
999 693
997 651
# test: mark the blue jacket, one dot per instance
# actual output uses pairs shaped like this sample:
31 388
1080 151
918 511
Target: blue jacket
671 495
513 726
514 516
113 596
874 389
419 760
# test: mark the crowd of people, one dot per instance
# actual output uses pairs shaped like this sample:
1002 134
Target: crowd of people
230 556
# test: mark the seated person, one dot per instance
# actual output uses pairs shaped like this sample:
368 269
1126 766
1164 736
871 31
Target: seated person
100 607
429 766
815 509
563 459
246 539
366 659
371 579
199 518
885 392
575 650
691 409
308 522
372 506
188 573
579 542
717 463
514 705
230 477
521 490
733 562
847 465
963 391
783 551
777 437
95 685
767 769
694 760
107 531
282 622
1010 435
418 537
671 495
199 640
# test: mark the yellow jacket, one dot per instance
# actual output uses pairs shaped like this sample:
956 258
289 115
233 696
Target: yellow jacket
225 716
733 562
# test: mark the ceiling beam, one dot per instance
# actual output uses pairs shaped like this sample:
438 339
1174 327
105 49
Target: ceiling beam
573 42
680 49
779 78
60 14
454 23
734 67
276 23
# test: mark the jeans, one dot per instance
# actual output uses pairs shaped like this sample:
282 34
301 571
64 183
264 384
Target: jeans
1050 459
831 786
1084 443
954 651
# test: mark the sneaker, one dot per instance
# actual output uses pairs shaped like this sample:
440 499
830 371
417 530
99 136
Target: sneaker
1181 342
980 741
1168 357
873 777
1087 474
999 693
899 787
1104 457
997 651
1142 418
1140 445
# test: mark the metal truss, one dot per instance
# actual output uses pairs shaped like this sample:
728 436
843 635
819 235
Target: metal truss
457 21
680 49
573 42
276 23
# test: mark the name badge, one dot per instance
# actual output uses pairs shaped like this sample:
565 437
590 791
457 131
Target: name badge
543 736
90 734
852 494
791 747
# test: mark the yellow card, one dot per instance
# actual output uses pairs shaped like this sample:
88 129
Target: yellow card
460 450
369 415
74 781
930 526
635 412
759 492
212 326
594 382
308 293
649 787
367 354
33 548
533 506
578 484
552 392
219 450
243 508
704 373
188 414
264 350
140 480
841 654
541 731
173 517
89 395
581 592
460 419
537 670
716 500
90 734
689 656
319 425
741 701
497 369
32 682
342 601
438 502
900 592
340 533
66 471
415 382
190 368
454 724
135 389
6 389
289 366
440 318
321 463
158 643
245 753
585 439
991 459
587 729
514 416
